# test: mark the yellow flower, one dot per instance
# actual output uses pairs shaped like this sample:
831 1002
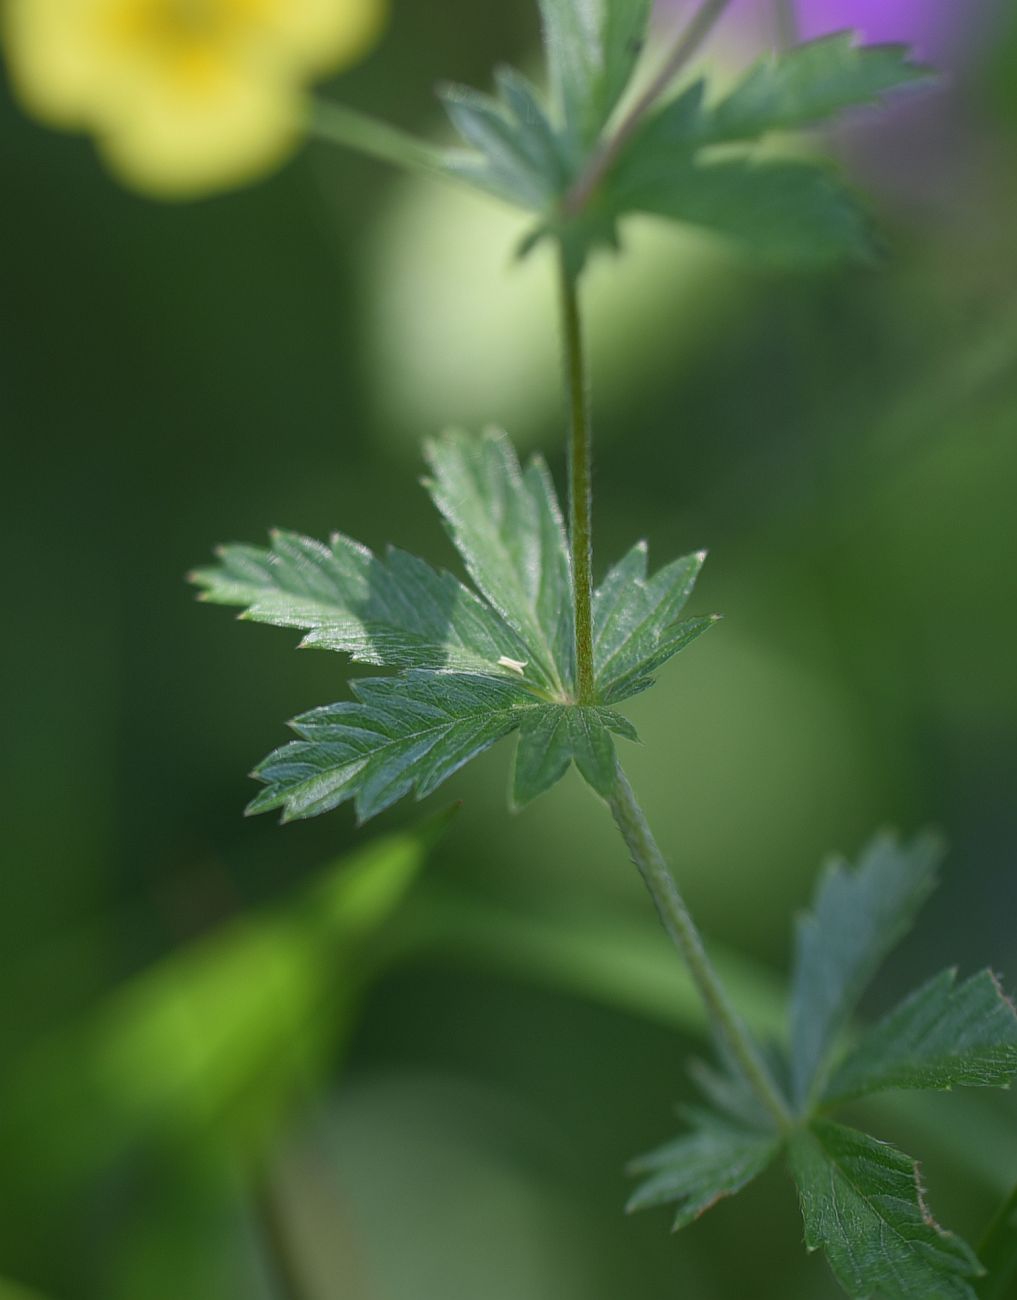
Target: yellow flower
183 96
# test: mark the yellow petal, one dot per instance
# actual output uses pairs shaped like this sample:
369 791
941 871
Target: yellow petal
207 129
326 35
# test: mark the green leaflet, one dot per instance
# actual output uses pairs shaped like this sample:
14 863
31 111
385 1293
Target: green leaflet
636 626
475 666
507 526
592 47
944 1035
863 1203
858 916
399 611
400 734
809 84
554 736
714 1160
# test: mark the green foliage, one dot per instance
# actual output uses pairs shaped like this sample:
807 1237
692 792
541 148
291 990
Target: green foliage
714 1160
787 211
857 919
863 1203
475 664
944 1035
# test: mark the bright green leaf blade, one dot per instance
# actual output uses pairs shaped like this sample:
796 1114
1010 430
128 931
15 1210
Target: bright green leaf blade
398 611
555 735
809 84
863 1204
942 1036
787 213
400 734
857 918
507 526
623 28
635 621
716 1159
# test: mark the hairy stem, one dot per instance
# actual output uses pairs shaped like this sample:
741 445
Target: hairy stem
678 923
604 157
580 454
344 126
786 19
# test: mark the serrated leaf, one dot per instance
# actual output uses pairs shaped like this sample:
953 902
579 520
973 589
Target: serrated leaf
716 1159
942 1036
857 918
554 736
729 1092
863 1204
399 734
636 626
809 84
782 212
592 49
399 612
507 525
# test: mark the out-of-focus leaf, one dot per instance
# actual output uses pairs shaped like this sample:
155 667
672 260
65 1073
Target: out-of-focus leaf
808 84
780 211
863 1204
857 918
636 626
714 1160
942 1036
592 47
220 1037
507 525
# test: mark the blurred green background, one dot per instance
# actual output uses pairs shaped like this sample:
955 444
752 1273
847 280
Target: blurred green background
236 1065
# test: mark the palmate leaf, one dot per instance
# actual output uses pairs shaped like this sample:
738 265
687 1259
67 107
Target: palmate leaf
943 1036
863 1204
715 1159
858 917
477 665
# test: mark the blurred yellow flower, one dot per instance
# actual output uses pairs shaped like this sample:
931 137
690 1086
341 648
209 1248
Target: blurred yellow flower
183 96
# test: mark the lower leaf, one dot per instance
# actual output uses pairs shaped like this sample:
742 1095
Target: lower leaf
863 1203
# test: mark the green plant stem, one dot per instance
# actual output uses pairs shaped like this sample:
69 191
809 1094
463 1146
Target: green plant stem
678 923
604 157
786 18
344 126
580 457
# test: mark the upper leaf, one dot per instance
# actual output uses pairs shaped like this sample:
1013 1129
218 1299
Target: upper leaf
636 621
807 85
944 1035
863 1203
592 47
398 611
857 917
716 1159
507 526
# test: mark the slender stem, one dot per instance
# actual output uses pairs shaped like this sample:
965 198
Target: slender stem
275 1239
580 454
678 923
603 159
358 131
